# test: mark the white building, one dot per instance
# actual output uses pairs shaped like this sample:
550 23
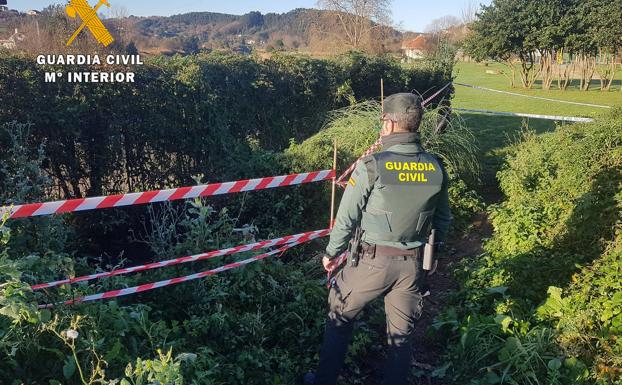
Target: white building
415 48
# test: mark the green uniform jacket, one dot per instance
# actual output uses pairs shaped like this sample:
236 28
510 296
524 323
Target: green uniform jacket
358 191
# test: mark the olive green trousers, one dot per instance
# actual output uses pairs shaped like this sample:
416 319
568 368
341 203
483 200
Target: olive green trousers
401 280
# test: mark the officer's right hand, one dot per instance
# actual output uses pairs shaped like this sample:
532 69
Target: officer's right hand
330 264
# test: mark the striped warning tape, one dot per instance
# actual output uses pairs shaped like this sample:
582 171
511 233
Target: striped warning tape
531 96
192 258
374 147
341 180
534 116
187 278
139 198
428 100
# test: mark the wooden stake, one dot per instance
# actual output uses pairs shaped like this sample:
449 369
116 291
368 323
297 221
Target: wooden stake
334 187
382 94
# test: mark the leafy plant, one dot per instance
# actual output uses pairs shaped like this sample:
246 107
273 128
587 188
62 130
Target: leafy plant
549 276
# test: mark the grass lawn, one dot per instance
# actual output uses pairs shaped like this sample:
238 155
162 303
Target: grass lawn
475 74
494 133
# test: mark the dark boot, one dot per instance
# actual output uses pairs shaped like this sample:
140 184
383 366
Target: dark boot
397 367
309 379
333 353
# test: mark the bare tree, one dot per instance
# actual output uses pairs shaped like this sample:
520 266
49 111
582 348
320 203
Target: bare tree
442 24
118 16
359 19
468 13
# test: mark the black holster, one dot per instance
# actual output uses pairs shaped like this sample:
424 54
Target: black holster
355 247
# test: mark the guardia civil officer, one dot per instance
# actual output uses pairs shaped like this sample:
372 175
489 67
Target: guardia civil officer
393 201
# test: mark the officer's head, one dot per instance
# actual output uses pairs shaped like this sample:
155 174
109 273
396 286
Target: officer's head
402 113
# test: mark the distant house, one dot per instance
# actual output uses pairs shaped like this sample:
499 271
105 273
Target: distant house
4 8
11 42
33 12
415 48
242 49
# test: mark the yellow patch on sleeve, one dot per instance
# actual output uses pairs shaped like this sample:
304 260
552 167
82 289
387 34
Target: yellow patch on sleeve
352 182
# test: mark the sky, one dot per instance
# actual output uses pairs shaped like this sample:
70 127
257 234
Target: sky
411 15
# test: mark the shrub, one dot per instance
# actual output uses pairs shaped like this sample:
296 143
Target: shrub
557 236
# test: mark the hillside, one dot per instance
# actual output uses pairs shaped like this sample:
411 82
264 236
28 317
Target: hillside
299 29
307 30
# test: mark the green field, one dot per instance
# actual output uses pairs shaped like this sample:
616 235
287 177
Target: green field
475 74
494 133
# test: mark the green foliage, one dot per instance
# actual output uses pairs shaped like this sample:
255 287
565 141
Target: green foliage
163 370
556 243
503 350
588 314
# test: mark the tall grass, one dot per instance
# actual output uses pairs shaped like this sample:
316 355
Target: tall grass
356 127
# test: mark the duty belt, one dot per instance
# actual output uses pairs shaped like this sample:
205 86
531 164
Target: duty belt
372 251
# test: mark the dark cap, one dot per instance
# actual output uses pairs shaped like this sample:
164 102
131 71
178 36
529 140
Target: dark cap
402 103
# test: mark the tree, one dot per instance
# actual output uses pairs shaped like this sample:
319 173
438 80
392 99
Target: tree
551 26
190 45
252 20
446 29
131 49
442 24
120 22
539 33
492 36
580 43
468 13
359 19
605 30
519 32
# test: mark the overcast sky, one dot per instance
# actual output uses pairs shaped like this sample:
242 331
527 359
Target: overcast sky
413 15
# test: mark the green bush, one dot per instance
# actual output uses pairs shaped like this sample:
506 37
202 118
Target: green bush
185 116
220 116
556 240
271 311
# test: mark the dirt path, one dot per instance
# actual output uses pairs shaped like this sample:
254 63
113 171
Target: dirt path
426 354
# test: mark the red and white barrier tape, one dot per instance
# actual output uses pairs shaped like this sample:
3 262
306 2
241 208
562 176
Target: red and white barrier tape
187 278
193 258
341 180
130 199
428 100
